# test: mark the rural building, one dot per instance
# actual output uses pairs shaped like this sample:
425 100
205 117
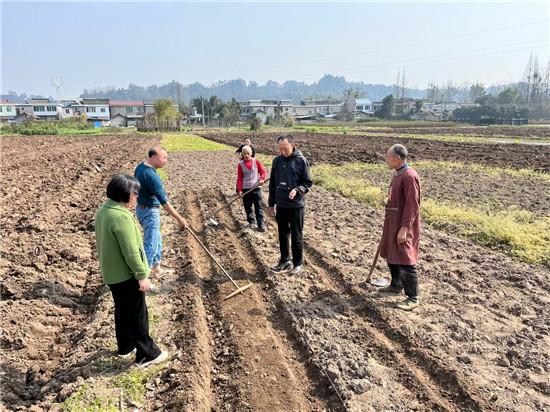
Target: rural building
364 106
7 111
42 109
126 112
96 111
271 108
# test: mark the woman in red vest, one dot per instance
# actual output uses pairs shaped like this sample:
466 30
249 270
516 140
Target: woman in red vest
251 173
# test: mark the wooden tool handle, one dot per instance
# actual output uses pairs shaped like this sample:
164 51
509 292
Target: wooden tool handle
374 260
211 255
237 198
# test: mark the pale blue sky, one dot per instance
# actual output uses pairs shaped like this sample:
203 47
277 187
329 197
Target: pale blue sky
93 44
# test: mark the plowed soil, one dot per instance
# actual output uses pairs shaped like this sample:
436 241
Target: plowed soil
334 148
322 340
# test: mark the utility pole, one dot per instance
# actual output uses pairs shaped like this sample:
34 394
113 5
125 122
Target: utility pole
57 83
202 104
403 92
397 86
178 95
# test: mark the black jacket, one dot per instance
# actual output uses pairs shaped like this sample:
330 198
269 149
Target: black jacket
289 173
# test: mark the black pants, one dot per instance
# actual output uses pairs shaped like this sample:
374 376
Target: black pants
290 223
404 276
254 198
132 321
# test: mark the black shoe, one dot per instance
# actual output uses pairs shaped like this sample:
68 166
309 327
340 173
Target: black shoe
262 228
391 290
295 270
282 267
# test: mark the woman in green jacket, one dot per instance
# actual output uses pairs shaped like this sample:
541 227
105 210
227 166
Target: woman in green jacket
124 268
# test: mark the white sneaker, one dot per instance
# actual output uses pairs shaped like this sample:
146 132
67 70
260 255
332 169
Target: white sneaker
127 355
159 359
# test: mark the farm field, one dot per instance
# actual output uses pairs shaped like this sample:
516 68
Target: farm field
318 341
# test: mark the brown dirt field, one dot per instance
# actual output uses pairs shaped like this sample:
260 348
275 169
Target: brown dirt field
52 187
333 148
491 131
479 340
496 191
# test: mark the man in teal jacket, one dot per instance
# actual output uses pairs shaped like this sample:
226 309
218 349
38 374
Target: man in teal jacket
124 268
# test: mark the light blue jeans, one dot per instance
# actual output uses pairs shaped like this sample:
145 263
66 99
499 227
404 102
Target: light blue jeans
149 219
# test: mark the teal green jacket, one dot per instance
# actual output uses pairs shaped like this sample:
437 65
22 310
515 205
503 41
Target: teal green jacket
119 244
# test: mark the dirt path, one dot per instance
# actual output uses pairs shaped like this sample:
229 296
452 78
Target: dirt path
255 362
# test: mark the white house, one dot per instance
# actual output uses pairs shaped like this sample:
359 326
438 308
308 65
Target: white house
364 106
7 111
47 111
40 109
269 107
67 109
96 110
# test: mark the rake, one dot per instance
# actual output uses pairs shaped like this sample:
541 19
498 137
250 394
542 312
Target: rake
237 288
214 222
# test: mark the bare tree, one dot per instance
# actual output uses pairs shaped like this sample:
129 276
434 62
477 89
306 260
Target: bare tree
528 78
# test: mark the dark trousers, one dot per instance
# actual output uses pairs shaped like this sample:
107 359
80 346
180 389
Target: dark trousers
405 277
132 321
254 198
290 223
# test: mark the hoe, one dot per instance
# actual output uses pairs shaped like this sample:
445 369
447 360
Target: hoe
378 282
213 222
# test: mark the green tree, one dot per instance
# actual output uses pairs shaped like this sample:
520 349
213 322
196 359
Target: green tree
231 112
387 109
165 110
477 91
508 96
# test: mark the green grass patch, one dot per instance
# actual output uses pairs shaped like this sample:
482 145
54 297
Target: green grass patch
515 232
132 383
85 400
105 394
185 142
477 168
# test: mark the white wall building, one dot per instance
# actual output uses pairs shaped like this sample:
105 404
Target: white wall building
7 111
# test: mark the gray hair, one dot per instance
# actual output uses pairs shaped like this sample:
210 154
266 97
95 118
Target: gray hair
247 149
400 150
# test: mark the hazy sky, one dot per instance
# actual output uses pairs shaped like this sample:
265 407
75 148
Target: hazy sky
94 44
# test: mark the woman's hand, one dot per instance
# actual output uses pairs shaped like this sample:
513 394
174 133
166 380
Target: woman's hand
144 284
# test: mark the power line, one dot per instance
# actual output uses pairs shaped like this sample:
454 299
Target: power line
395 47
384 66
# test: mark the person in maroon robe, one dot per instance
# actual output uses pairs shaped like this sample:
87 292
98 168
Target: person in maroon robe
400 238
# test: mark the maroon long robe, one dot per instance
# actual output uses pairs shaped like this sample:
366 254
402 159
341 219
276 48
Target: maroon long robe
402 209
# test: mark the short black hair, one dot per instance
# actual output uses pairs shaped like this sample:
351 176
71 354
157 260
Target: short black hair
121 187
287 137
152 152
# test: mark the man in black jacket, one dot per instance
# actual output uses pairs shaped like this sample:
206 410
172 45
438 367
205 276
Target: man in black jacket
289 182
